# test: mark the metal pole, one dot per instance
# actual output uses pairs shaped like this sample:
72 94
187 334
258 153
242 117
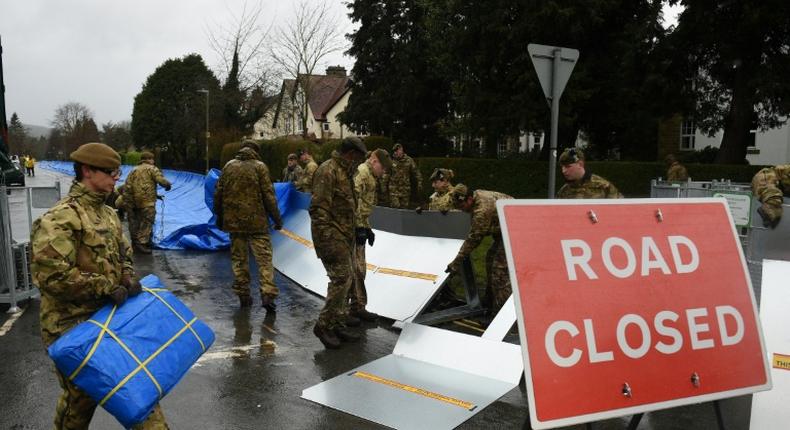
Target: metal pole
555 118
208 134
29 193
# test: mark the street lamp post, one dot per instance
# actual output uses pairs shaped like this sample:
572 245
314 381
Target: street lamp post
208 134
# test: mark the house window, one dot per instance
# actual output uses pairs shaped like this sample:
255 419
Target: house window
325 126
687 131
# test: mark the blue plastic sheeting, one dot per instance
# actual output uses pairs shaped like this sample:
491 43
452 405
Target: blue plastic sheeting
128 358
188 221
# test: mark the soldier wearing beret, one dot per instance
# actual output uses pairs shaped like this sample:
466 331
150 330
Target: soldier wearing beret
139 200
580 183
404 178
485 222
305 182
440 199
292 172
81 261
769 185
676 172
332 223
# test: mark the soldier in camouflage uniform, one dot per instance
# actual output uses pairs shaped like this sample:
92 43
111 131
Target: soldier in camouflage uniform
769 185
243 202
440 199
292 172
305 183
404 178
81 261
332 222
139 196
485 222
676 172
365 190
581 183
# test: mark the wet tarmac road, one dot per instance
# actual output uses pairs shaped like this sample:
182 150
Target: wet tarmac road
254 373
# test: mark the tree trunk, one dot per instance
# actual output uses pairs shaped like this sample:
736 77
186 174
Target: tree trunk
737 124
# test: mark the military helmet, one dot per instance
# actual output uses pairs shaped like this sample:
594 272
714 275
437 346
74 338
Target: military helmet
441 174
97 155
384 158
146 156
571 155
458 194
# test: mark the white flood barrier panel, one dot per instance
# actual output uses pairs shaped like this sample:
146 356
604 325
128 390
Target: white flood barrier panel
502 322
434 379
769 409
404 272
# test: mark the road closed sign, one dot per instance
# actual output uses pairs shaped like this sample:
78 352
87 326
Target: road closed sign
628 306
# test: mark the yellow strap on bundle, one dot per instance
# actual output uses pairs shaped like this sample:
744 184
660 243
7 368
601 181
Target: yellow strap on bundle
95 345
153 292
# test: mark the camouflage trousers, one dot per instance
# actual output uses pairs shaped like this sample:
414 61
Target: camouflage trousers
339 269
141 224
75 410
358 296
261 245
399 201
498 288
765 186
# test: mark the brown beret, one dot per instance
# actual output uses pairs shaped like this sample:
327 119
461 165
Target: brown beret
571 155
97 155
384 158
458 194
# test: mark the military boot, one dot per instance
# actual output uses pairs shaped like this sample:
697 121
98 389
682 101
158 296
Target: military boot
364 315
245 301
353 321
142 248
327 337
267 302
347 334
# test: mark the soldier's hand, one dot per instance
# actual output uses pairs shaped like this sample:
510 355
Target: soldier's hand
371 237
360 235
444 211
119 295
418 210
160 197
278 225
449 269
132 285
168 187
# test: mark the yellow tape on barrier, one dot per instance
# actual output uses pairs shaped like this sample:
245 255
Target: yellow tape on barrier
293 236
430 394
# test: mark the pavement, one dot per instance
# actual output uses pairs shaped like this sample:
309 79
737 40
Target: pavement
254 373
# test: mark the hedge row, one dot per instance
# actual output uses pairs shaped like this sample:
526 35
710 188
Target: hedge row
132 158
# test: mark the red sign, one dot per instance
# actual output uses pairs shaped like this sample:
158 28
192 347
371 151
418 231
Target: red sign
628 306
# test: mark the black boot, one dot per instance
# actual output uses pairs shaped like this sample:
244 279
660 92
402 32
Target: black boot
347 334
327 337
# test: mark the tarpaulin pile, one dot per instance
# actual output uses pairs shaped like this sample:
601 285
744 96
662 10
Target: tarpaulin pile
128 357
188 221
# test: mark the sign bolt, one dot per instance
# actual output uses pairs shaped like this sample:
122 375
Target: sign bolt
593 217
659 215
626 390
695 379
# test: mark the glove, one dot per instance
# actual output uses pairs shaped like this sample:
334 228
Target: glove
168 187
444 211
278 225
454 266
132 285
418 210
449 269
160 197
371 236
360 235
770 218
119 295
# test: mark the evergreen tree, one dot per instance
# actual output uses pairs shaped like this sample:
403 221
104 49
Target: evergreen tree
17 136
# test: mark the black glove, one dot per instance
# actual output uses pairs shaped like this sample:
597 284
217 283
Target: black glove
361 235
448 269
132 285
168 187
767 220
119 295
418 210
160 197
371 237
444 211
278 225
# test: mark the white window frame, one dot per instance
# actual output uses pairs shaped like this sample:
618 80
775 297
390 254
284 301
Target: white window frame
688 135
325 126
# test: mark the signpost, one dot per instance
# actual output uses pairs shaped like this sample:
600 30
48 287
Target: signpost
629 306
554 66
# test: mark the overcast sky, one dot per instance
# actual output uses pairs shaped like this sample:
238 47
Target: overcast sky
99 53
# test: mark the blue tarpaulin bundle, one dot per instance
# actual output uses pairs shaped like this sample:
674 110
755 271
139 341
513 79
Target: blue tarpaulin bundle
128 358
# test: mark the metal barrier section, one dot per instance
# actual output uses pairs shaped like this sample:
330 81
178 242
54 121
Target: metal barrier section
766 244
434 379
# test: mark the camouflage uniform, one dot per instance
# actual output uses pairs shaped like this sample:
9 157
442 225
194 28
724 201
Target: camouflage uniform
589 187
485 222
769 186
139 196
243 201
677 172
79 255
306 180
292 175
403 178
383 190
332 225
365 191
441 201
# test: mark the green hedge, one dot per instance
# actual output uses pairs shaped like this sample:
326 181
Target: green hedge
529 179
131 158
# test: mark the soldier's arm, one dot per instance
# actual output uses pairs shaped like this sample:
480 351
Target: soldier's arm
55 260
416 176
160 178
365 190
126 253
477 232
267 191
612 192
321 202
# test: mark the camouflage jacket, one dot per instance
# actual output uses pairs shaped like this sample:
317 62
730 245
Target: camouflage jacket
291 175
485 222
770 184
440 200
79 255
139 190
404 177
244 198
589 187
365 191
305 183
677 172
332 207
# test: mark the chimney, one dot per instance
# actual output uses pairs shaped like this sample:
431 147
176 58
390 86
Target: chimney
336 71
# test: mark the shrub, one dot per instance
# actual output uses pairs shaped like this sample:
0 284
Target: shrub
131 158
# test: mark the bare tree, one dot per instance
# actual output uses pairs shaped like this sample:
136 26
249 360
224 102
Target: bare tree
244 36
69 116
303 44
